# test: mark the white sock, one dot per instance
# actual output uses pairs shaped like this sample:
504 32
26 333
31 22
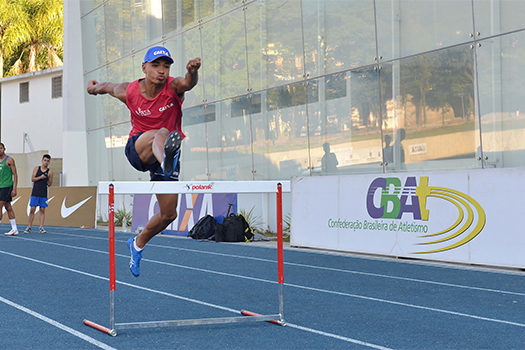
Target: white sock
135 246
13 224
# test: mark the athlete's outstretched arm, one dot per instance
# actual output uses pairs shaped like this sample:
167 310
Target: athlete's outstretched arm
180 85
115 90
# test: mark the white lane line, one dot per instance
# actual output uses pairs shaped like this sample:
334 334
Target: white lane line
452 285
306 329
57 324
370 345
357 296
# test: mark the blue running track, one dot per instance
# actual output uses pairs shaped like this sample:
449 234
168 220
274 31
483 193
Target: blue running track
51 282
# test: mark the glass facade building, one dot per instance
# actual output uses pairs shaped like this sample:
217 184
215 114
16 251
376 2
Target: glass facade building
317 87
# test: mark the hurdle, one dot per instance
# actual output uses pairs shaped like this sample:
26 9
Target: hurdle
186 187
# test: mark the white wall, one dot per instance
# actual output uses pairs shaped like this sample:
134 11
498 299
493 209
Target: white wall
40 118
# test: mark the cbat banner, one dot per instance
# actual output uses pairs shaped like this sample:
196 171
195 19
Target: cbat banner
190 208
458 216
67 206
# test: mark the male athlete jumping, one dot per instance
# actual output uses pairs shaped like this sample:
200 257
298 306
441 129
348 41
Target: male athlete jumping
154 141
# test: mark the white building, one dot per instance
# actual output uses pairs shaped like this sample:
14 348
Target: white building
31 112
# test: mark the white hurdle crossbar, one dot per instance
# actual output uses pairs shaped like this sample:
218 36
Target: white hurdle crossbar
160 187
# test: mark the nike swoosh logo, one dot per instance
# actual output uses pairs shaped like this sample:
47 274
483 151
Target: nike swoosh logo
13 202
65 211
38 208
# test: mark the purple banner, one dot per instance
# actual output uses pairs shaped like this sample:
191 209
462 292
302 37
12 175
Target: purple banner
190 208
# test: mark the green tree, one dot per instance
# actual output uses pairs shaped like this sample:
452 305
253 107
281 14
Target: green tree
14 30
41 46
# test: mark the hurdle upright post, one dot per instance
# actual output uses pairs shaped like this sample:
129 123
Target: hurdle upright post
111 239
280 262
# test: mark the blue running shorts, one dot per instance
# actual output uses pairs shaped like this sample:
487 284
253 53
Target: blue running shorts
38 202
155 170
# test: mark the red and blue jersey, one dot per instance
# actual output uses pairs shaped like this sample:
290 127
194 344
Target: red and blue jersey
162 111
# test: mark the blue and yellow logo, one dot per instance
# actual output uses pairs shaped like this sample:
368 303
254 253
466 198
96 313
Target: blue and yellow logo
396 200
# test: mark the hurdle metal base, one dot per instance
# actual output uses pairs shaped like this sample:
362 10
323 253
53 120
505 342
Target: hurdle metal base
98 327
279 322
187 322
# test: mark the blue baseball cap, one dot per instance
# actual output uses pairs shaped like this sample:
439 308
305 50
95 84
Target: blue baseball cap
157 52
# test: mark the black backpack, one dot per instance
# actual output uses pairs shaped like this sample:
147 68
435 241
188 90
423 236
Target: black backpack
205 228
234 228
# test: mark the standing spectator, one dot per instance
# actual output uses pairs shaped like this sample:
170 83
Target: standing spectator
329 161
399 151
8 184
42 178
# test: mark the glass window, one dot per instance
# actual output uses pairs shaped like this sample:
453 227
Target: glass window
23 92
99 168
256 45
223 6
205 8
284 52
429 116
195 149
106 157
114 110
118 29
335 86
94 39
229 145
169 16
407 27
344 126
280 141
95 114
198 115
211 61
185 48
501 72
56 87
338 35
233 74
146 27
123 70
498 16
188 12
248 104
122 170
88 5
292 95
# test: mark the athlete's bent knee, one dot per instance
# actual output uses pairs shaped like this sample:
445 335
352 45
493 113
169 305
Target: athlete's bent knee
168 217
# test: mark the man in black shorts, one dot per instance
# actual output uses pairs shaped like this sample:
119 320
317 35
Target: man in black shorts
8 184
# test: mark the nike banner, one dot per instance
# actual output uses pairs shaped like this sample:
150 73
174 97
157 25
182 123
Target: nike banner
67 206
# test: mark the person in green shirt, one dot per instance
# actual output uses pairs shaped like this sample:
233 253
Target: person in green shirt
8 185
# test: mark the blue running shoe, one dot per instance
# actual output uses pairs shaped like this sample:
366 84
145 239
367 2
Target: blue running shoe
134 262
171 154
